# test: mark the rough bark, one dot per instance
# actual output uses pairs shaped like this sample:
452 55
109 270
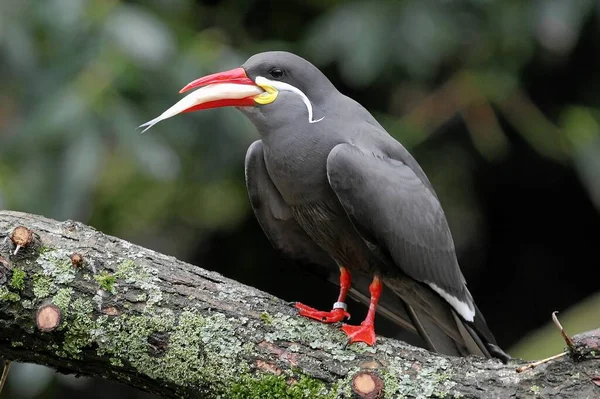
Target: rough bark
133 315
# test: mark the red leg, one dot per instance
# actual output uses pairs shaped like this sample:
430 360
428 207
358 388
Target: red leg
366 331
338 313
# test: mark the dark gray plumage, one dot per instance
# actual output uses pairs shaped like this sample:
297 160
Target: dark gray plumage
342 191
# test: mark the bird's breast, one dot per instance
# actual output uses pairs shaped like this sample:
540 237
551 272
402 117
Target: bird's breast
297 166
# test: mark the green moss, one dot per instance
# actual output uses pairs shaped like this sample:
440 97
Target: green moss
271 386
143 297
266 318
18 279
106 281
44 249
43 286
57 264
116 362
391 385
316 335
142 277
535 389
125 269
200 350
62 299
56 270
16 344
125 339
79 328
432 380
8 296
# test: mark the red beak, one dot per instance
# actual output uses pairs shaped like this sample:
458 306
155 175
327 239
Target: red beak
230 88
236 76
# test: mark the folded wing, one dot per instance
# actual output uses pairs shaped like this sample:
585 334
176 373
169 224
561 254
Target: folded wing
402 222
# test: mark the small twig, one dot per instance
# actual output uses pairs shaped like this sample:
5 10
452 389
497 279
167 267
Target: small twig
567 339
532 365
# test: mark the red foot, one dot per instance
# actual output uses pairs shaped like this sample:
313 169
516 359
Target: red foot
363 333
325 317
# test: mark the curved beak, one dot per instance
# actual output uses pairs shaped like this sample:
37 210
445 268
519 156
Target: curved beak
223 89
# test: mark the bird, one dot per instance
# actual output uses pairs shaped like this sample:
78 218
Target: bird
330 186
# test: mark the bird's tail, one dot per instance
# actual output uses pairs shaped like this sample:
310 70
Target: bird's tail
418 309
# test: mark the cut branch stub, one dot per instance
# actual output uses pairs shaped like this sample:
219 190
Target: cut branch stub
48 317
76 259
21 237
367 385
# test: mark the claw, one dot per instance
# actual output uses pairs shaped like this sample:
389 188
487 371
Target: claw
333 316
302 307
363 333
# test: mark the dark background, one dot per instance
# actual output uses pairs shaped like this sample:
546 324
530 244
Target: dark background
497 100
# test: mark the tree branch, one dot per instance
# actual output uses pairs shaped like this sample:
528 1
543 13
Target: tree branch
86 303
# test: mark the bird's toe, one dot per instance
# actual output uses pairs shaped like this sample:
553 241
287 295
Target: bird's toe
363 333
333 316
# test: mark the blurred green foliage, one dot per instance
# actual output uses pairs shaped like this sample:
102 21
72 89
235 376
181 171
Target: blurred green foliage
78 77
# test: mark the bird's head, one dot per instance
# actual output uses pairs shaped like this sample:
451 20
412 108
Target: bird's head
269 86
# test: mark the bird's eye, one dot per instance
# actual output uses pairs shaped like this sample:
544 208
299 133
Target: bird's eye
276 73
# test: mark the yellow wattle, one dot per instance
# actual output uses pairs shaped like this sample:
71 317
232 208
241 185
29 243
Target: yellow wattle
268 96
